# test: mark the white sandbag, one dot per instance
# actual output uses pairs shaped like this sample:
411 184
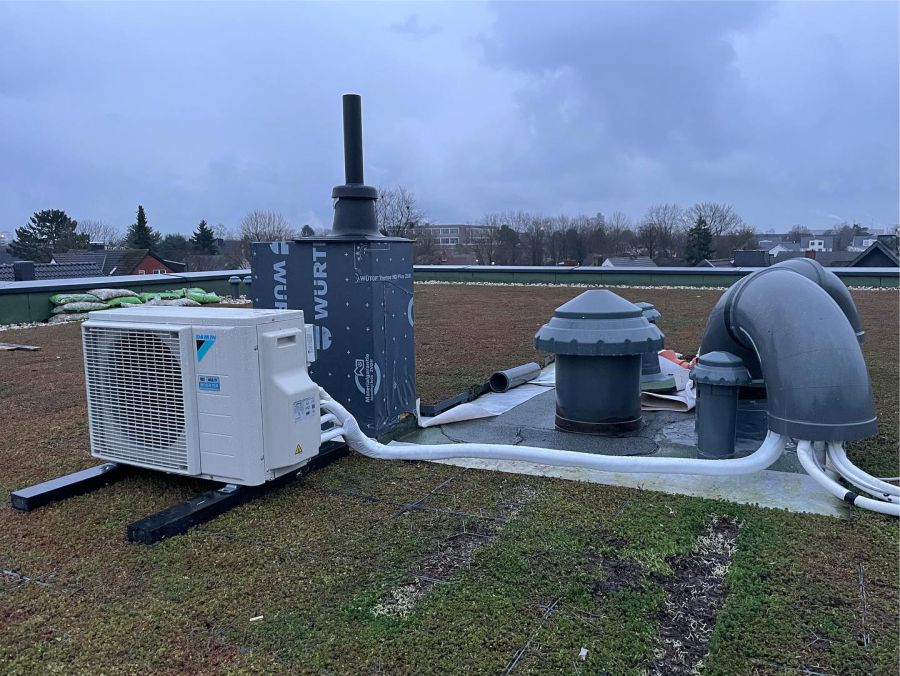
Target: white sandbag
80 306
173 302
64 318
108 294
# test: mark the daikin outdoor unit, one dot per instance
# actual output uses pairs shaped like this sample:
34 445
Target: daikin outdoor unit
215 393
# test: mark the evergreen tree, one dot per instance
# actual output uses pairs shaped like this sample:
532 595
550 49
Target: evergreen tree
140 234
174 247
699 242
204 240
47 232
307 231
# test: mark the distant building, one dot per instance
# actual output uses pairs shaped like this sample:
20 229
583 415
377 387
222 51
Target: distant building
628 262
862 242
830 259
816 243
876 256
782 247
715 263
42 271
122 261
457 244
753 258
457 235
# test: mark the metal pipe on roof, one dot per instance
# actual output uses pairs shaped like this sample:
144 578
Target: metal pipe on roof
353 149
503 381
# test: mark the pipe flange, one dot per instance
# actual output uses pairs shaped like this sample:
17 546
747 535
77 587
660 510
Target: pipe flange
720 368
608 428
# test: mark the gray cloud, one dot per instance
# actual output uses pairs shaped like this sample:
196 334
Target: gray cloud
412 26
789 111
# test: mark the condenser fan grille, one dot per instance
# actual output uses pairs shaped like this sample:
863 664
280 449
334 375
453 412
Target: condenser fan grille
135 396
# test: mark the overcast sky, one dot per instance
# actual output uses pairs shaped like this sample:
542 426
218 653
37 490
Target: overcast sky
788 111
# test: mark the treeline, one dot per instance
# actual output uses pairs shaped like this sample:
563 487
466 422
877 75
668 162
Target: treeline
666 233
53 231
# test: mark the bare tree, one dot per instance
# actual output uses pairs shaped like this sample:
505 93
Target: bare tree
659 226
555 237
796 232
426 250
222 231
742 238
534 235
648 238
100 231
619 233
397 213
264 226
843 234
483 242
721 218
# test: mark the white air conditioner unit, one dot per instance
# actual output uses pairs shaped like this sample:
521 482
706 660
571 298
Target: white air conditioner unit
216 393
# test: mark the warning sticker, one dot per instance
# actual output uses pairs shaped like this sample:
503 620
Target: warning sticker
304 408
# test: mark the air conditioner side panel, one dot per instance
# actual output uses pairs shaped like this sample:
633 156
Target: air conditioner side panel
225 387
290 399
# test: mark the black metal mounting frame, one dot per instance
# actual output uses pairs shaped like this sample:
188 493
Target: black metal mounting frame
178 519
173 520
70 485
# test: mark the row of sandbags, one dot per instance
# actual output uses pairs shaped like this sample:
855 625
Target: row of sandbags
70 306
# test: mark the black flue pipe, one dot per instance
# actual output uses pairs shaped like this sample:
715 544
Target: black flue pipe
354 202
353 149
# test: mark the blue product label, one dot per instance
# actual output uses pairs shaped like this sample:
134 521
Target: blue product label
209 383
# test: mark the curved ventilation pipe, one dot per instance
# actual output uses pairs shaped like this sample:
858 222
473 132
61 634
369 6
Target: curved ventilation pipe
806 351
717 338
832 285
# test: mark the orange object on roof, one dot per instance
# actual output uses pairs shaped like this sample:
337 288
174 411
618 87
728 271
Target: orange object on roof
671 355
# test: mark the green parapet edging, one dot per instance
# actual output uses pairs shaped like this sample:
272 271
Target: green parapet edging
39 306
883 281
26 303
14 309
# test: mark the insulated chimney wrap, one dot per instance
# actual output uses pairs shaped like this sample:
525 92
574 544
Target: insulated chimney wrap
358 294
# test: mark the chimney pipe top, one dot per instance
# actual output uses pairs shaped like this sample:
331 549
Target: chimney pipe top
354 207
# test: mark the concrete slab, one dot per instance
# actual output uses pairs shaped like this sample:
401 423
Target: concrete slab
769 488
664 433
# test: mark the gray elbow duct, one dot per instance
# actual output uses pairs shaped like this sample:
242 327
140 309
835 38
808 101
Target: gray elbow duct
716 338
832 285
799 340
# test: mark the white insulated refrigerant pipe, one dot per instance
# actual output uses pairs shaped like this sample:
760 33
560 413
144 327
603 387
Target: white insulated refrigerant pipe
770 450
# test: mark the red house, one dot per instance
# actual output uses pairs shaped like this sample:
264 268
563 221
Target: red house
122 261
